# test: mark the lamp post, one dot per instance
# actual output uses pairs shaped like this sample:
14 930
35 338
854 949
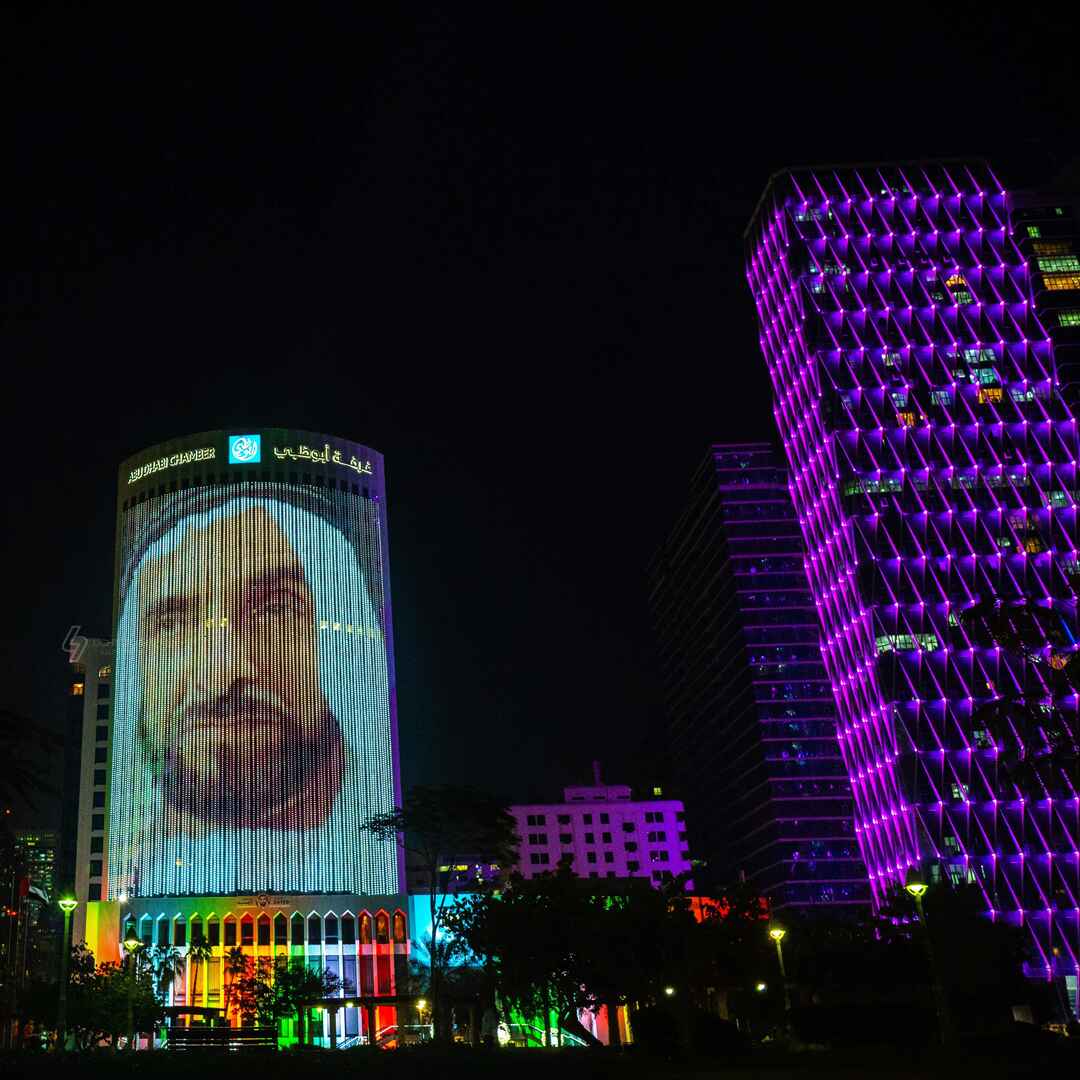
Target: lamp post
915 887
67 905
131 943
777 934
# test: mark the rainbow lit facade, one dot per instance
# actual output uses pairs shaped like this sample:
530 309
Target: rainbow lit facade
253 707
933 463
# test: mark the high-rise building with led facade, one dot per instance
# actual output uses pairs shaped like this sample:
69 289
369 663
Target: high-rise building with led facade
933 464
751 717
252 714
1046 227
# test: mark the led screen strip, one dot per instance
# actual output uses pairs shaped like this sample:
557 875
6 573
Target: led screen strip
193 626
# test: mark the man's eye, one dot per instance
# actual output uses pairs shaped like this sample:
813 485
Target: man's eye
278 606
171 622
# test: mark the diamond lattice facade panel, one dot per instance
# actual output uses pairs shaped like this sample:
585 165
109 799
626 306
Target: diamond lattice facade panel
751 717
932 465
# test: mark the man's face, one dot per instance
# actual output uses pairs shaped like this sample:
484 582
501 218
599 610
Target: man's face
232 706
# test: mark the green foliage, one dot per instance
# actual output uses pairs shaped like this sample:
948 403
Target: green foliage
556 942
437 826
98 999
271 992
881 963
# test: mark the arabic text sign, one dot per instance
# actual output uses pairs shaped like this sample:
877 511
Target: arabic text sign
324 456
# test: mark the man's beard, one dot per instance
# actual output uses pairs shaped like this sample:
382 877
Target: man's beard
239 760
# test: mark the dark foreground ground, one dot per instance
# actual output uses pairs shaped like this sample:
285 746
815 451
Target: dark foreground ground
1021 1055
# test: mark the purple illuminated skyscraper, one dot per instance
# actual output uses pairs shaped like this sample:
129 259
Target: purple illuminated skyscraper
933 465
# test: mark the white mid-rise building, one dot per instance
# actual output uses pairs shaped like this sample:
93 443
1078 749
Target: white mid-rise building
606 832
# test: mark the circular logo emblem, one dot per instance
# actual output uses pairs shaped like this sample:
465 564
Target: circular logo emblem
245 449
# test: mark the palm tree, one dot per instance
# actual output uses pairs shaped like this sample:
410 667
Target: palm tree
198 951
235 966
167 963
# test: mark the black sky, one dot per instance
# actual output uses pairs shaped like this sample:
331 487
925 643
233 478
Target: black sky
502 245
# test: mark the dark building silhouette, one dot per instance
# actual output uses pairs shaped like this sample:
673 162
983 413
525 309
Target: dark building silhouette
752 727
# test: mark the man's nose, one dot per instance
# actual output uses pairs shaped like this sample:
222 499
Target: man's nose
224 662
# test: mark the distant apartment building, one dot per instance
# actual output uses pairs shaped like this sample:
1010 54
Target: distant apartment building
84 831
460 874
606 833
35 921
37 851
604 830
751 713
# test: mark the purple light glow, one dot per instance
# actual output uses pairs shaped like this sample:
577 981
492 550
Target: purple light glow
886 510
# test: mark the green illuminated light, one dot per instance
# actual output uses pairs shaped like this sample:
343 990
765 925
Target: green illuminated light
1059 263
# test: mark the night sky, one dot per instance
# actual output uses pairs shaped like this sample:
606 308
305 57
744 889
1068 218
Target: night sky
504 247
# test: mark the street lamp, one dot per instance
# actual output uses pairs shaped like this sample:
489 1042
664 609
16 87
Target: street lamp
777 933
669 991
915 886
67 905
131 943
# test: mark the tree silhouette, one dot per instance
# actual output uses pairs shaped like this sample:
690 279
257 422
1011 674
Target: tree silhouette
199 951
439 826
166 963
23 774
236 964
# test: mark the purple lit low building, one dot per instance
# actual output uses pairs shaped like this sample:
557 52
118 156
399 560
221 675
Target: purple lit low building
607 833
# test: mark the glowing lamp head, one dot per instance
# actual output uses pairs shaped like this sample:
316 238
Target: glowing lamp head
914 884
777 933
131 941
761 987
669 991
68 904
421 1004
